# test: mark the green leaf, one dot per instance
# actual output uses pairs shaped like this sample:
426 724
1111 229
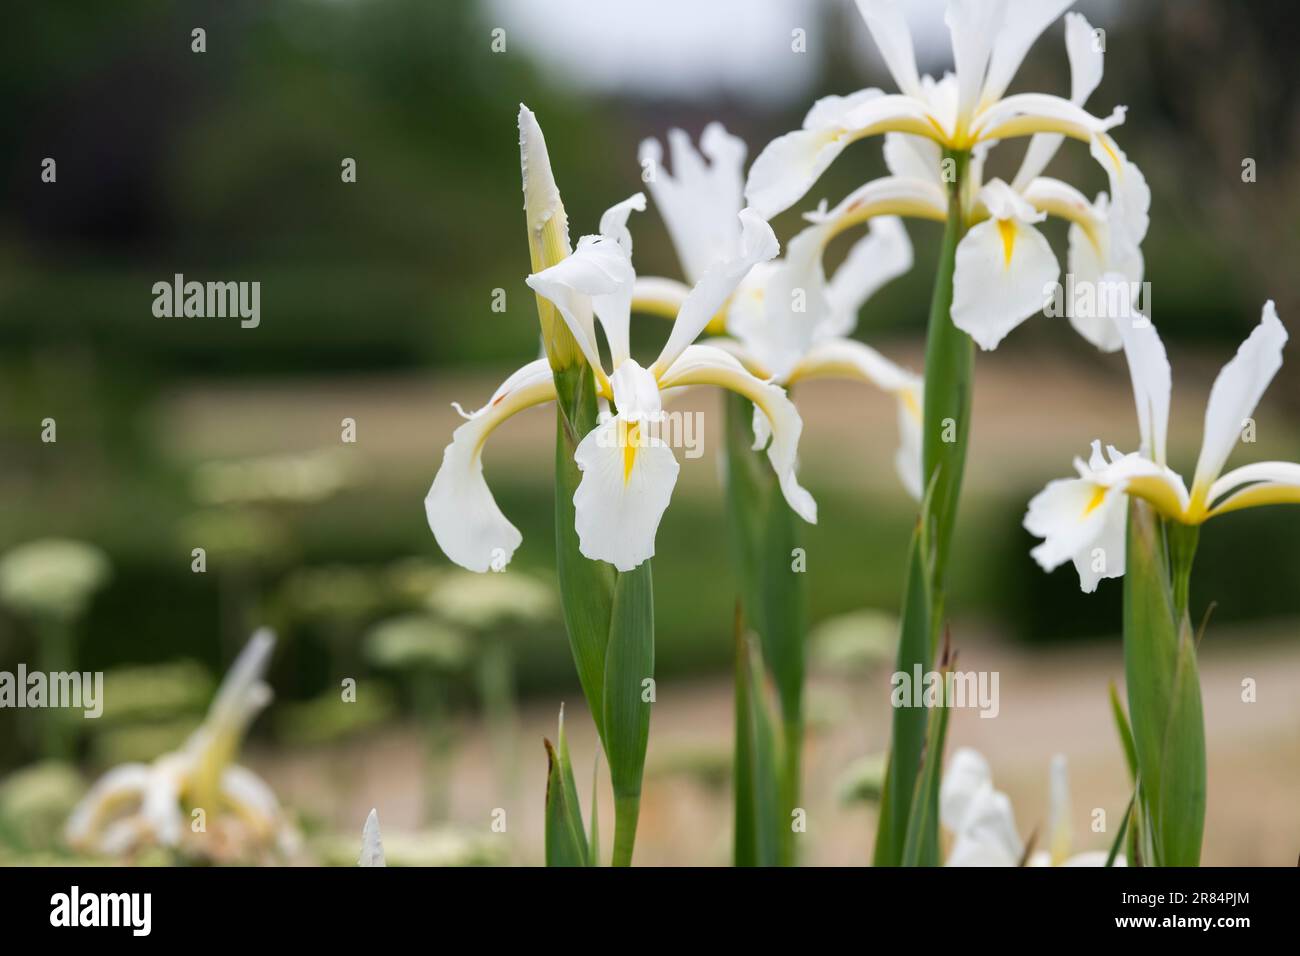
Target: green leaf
593 840
925 801
629 663
1164 698
909 723
586 587
1124 731
949 375
1123 829
566 845
758 822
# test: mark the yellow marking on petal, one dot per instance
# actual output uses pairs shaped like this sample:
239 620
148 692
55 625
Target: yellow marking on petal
909 400
1098 496
631 434
1007 229
1110 151
1253 496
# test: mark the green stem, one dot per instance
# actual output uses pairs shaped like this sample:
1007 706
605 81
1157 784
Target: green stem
627 808
1181 540
949 372
764 536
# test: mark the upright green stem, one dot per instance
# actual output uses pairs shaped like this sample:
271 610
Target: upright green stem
949 374
1182 540
949 371
627 808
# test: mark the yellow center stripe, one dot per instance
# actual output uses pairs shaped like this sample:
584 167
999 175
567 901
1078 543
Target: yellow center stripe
1007 227
631 435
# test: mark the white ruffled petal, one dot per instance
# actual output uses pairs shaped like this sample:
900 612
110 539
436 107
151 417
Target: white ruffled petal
699 202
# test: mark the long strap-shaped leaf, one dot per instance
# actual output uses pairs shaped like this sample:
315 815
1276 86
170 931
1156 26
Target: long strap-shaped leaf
1164 697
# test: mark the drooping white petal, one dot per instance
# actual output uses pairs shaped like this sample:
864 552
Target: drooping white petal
848 358
706 365
1236 392
1148 368
463 515
1005 269
889 29
1130 198
372 845
628 475
975 25
1086 62
1116 282
757 244
1263 483
879 257
789 165
699 203
1024 23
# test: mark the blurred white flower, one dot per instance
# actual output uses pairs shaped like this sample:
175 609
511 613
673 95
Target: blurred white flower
52 577
137 805
479 601
983 824
294 479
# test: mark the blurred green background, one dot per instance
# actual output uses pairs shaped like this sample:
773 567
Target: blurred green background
376 305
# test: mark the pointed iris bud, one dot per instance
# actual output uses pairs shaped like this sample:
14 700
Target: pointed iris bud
548 234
